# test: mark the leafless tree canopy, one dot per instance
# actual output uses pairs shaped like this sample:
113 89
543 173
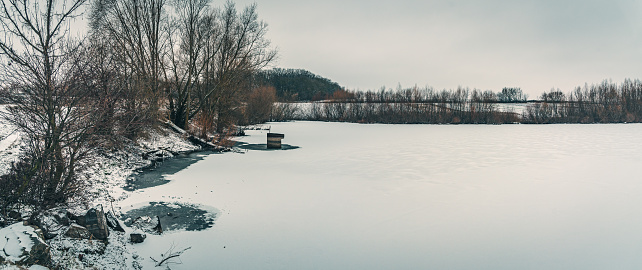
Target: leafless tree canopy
49 106
142 60
194 59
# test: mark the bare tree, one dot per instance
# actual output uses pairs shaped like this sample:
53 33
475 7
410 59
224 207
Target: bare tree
48 102
240 50
135 29
191 36
260 104
202 57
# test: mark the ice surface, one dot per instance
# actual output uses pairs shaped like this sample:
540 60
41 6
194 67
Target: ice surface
415 197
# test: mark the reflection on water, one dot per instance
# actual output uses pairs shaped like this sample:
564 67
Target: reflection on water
263 146
155 176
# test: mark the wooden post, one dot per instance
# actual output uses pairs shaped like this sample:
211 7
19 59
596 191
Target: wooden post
274 140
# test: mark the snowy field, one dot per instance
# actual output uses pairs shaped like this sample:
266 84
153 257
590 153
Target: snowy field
413 197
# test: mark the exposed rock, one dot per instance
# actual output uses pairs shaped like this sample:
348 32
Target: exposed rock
137 237
158 228
61 217
159 155
14 215
96 223
148 224
40 254
51 222
24 245
113 222
3 222
80 219
78 232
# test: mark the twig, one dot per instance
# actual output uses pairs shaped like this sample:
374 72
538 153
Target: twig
169 255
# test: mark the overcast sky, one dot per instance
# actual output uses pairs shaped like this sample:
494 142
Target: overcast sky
490 44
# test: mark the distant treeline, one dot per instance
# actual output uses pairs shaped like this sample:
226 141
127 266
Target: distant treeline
602 103
607 102
429 95
417 106
296 84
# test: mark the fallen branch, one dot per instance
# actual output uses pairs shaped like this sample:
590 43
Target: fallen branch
169 256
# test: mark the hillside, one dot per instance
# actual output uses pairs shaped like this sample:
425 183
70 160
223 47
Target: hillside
296 84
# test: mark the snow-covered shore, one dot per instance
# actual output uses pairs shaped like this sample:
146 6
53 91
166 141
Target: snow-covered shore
107 173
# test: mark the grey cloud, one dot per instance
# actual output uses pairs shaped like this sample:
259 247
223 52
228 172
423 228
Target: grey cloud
535 45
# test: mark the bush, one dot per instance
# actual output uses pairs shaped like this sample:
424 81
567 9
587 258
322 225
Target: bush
260 104
34 181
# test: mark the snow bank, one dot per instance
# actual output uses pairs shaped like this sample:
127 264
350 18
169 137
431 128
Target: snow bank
16 242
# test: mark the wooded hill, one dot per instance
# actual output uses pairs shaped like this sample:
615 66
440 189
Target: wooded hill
296 84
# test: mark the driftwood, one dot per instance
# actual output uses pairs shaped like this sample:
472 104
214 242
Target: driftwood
193 139
175 127
170 257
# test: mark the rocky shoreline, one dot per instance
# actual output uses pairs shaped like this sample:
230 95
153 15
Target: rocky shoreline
92 234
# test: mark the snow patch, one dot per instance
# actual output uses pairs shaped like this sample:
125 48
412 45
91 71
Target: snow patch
16 241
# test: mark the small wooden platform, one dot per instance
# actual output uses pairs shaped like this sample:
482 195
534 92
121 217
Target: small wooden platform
274 140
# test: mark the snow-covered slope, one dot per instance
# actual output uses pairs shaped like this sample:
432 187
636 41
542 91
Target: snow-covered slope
107 173
9 144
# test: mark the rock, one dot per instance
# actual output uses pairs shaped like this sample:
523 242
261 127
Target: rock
14 215
158 228
24 245
159 155
40 254
77 218
51 222
96 223
78 232
113 222
61 217
137 237
3 221
148 224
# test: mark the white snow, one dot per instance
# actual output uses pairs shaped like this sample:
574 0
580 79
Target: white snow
9 144
415 197
392 197
107 174
16 241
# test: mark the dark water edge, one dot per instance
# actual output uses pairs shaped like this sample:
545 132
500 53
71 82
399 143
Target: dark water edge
154 175
263 147
174 216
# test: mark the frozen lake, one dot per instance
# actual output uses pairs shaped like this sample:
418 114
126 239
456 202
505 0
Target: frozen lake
415 197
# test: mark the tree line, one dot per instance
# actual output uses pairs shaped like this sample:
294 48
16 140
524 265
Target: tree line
413 105
606 102
186 61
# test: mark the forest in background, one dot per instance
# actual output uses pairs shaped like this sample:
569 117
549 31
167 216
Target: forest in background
293 85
